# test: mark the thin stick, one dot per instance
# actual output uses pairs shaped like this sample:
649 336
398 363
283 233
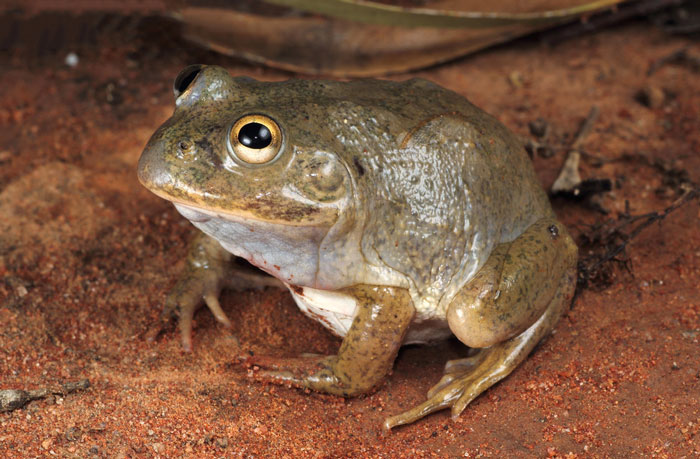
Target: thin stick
569 176
648 220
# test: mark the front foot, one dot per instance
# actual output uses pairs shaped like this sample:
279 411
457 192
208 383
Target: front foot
205 270
208 269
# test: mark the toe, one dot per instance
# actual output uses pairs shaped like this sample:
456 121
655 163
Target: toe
444 382
439 401
212 301
279 377
465 399
465 364
185 326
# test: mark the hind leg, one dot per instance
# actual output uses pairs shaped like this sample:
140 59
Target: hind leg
505 310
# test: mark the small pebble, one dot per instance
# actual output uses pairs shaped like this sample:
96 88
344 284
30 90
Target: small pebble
73 434
21 291
71 60
12 399
651 96
538 127
222 442
516 79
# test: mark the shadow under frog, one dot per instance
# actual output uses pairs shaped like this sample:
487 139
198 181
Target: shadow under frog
395 213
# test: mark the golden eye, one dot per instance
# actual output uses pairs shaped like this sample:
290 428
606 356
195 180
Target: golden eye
255 139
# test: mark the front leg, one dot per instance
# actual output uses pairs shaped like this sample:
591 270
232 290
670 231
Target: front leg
208 269
368 350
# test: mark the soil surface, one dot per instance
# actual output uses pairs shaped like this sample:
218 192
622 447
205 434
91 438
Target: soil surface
87 256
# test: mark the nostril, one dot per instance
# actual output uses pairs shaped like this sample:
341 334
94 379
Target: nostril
185 78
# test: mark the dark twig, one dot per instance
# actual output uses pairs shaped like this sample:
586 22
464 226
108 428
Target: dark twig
586 127
679 56
611 237
13 399
607 18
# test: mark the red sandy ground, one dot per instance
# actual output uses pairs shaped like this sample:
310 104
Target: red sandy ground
87 255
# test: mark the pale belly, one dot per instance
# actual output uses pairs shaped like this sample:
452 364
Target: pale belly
336 312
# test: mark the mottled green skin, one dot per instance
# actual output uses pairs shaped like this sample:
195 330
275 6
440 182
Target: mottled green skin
368 350
404 196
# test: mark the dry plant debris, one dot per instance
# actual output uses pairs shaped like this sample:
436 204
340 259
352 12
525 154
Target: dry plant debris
13 399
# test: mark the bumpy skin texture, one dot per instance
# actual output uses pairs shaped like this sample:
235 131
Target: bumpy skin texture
403 197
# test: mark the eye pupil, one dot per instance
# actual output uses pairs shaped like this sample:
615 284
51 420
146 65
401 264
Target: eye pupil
255 135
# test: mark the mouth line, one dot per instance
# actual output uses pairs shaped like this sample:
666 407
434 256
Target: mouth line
200 214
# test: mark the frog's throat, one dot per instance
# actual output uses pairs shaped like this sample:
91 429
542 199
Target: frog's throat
289 253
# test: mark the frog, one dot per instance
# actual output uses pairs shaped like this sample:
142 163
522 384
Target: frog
393 212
